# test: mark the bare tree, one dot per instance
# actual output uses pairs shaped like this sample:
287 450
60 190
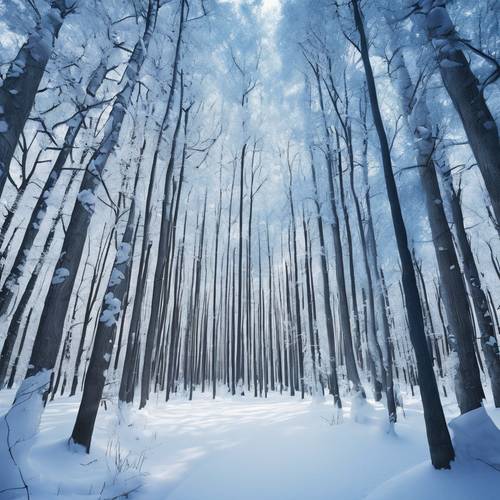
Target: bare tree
440 446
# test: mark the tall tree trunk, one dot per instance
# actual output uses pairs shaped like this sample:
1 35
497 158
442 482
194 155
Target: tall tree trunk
161 262
310 318
270 306
334 385
34 390
17 317
7 292
295 277
350 250
376 304
345 322
102 349
368 250
440 447
239 324
463 89
483 313
20 85
214 291
468 387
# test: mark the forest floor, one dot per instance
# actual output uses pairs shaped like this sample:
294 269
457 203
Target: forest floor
257 449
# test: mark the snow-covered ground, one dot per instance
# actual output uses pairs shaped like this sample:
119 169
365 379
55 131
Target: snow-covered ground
255 449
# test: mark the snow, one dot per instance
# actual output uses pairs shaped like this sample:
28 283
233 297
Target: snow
18 428
466 481
109 316
116 277
123 253
439 22
475 436
448 63
248 449
87 199
17 67
60 275
476 440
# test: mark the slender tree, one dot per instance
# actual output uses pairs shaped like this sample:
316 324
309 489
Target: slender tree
440 446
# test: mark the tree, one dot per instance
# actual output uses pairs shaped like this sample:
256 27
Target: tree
38 213
465 92
106 331
468 383
34 389
440 446
334 385
25 72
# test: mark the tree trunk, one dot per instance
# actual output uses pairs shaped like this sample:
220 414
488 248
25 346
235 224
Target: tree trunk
468 99
468 387
161 262
34 390
334 385
7 293
105 336
295 277
440 447
483 313
17 317
345 322
20 85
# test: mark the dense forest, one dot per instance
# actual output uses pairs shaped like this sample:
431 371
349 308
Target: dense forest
247 201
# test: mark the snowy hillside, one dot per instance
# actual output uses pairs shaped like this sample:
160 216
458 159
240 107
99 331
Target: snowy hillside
247 449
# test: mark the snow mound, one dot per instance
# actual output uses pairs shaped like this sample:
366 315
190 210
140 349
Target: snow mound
361 411
475 473
465 481
475 436
48 467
